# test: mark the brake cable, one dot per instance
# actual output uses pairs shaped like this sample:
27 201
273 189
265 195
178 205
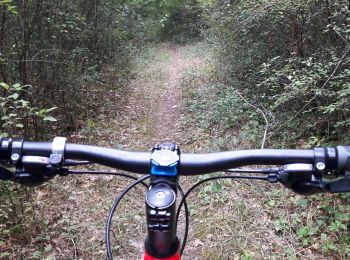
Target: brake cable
82 172
186 220
261 170
112 210
120 197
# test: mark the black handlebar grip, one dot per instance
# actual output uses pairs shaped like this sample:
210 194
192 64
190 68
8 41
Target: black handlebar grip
343 158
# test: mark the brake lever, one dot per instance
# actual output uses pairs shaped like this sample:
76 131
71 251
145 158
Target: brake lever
295 173
309 188
301 178
340 185
34 170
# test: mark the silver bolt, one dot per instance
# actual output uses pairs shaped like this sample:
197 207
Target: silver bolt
15 157
160 194
320 166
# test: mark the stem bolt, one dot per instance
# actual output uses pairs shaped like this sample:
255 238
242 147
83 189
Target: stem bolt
15 157
160 194
320 166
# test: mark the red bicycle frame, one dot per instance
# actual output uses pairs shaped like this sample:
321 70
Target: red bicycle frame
176 256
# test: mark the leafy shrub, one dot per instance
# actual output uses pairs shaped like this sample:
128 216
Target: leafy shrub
17 113
289 57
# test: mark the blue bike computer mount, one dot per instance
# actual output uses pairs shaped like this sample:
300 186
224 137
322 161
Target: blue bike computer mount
165 159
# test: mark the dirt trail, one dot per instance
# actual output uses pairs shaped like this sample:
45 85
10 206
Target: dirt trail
149 113
167 114
154 99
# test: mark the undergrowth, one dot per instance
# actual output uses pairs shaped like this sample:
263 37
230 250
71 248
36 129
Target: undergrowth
249 220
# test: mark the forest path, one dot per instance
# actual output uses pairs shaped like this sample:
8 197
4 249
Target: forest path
167 109
155 95
151 113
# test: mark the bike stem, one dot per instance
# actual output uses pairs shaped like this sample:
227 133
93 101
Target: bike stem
162 242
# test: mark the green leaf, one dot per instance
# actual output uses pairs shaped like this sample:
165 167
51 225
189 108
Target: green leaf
19 125
36 254
50 109
303 232
119 146
5 254
26 86
289 251
24 103
271 203
216 187
5 117
5 86
303 203
13 96
16 86
49 118
247 257
42 111
48 248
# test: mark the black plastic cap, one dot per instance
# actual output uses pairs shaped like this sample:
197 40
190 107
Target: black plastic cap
160 196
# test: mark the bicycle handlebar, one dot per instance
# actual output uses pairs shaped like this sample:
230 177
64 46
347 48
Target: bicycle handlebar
302 171
213 162
335 158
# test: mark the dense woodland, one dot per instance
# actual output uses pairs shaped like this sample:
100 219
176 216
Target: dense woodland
281 75
291 60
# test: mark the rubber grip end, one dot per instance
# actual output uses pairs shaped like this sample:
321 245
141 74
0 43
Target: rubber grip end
343 153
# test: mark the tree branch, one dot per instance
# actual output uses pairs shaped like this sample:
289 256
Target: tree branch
262 113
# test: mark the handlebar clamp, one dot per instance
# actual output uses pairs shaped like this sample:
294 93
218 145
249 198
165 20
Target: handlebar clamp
58 146
16 151
165 159
320 162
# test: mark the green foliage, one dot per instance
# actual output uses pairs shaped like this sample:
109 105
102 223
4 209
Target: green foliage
322 99
64 50
290 57
168 20
17 219
17 113
321 226
219 109
8 6
182 23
